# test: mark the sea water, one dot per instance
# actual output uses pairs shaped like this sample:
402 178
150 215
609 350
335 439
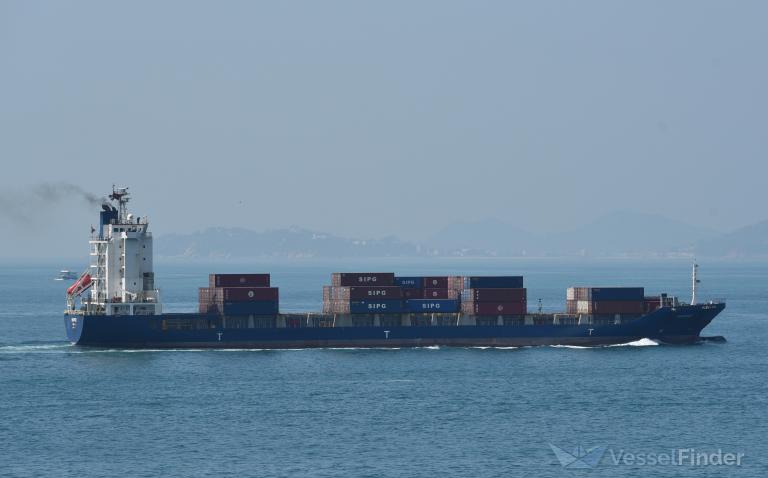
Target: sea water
432 411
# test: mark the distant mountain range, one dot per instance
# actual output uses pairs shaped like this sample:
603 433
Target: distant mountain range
619 234
223 243
748 241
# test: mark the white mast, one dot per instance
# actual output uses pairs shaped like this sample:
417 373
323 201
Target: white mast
694 280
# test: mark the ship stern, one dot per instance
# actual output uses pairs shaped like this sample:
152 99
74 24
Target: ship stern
73 324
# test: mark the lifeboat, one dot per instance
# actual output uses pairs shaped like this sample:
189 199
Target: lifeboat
80 285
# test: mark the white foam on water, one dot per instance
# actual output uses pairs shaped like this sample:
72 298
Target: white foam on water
352 348
636 343
492 347
38 348
132 351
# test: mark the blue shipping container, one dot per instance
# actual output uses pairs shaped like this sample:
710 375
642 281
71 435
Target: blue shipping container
409 282
493 282
617 293
261 307
375 306
432 305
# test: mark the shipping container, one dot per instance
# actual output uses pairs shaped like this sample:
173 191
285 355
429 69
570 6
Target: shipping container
441 294
605 307
494 308
571 306
618 294
263 307
375 306
328 307
493 282
618 307
435 282
409 282
432 305
362 306
456 282
651 306
653 303
605 293
238 280
495 295
246 294
347 279
360 293
413 293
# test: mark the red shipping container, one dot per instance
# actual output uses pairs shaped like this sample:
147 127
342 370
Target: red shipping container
413 293
494 308
238 280
441 294
571 307
497 295
436 282
651 306
617 307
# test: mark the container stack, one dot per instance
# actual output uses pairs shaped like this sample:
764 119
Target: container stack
494 296
605 300
239 294
431 295
382 293
654 303
432 287
362 293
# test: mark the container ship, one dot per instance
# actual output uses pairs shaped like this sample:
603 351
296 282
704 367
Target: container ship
115 304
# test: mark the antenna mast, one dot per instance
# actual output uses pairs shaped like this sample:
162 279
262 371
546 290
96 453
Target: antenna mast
121 196
694 280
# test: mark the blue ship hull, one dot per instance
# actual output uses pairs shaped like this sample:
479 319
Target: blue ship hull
681 324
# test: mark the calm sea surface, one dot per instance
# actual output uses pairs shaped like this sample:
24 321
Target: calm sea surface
471 412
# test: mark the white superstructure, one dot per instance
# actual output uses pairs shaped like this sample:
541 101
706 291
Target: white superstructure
120 277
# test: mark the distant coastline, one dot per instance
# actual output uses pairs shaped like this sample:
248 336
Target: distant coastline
616 236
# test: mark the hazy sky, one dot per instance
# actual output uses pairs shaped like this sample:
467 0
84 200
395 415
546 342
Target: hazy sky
374 118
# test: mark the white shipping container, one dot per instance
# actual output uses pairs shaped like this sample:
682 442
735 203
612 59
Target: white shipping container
583 307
